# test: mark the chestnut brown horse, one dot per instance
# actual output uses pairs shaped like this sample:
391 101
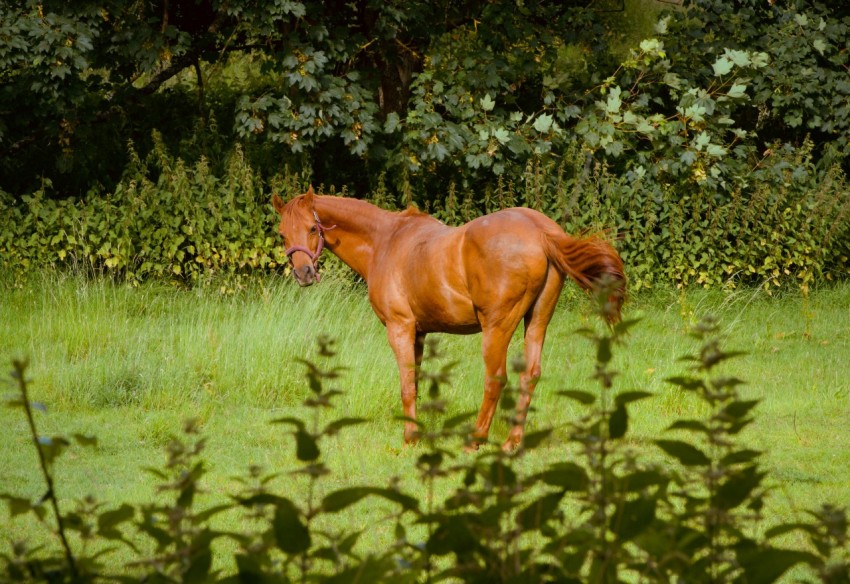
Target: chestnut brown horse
426 277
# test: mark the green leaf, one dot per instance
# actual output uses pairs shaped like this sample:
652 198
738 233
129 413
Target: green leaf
502 135
687 454
337 425
543 123
306 447
722 66
539 512
344 498
618 422
534 439
392 123
291 535
737 91
566 475
613 102
690 425
768 565
582 397
715 150
738 488
109 520
614 148
702 140
739 58
634 518
487 104
453 536
628 397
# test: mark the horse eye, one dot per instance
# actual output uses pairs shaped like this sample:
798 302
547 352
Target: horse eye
313 229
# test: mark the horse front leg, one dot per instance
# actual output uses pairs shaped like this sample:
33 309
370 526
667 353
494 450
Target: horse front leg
407 346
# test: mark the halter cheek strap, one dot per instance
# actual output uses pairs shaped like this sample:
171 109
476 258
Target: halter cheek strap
314 256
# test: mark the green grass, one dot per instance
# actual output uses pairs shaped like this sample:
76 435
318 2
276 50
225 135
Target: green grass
131 364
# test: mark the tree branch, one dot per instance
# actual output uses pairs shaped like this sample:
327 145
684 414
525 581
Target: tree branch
179 63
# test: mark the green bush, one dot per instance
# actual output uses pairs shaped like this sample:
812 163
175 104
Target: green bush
164 220
784 223
780 226
607 513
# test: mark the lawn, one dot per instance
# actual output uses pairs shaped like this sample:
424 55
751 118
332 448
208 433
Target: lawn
130 364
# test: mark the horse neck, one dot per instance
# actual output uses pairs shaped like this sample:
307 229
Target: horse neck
353 229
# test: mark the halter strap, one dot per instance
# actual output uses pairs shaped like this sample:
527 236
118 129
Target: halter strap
314 256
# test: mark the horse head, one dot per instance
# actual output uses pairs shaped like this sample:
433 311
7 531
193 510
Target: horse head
302 232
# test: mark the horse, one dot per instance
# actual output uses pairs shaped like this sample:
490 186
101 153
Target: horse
427 277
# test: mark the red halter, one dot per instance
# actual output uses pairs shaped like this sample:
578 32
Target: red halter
314 256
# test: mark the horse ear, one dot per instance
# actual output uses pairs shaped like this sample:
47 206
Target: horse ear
277 203
308 196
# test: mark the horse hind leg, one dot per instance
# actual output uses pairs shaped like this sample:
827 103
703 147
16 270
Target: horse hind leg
536 321
494 349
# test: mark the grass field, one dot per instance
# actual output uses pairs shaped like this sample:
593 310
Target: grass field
131 364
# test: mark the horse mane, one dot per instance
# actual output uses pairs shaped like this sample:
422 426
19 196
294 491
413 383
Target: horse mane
412 212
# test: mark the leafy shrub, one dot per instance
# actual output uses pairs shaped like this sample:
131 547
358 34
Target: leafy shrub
783 225
607 514
164 220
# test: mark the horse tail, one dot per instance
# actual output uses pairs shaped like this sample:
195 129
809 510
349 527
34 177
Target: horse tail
592 263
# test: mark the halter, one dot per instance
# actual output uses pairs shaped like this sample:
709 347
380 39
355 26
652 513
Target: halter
314 256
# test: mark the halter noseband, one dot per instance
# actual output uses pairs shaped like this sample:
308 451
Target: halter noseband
314 256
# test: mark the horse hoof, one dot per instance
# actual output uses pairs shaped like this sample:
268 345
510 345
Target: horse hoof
510 445
472 446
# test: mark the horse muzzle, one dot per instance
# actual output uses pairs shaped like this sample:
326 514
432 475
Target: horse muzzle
306 275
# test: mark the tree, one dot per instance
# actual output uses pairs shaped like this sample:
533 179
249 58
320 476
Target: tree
803 90
423 92
96 73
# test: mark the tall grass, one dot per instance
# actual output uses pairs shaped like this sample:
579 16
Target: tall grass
130 363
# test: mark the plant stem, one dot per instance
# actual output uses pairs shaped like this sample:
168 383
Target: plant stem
20 370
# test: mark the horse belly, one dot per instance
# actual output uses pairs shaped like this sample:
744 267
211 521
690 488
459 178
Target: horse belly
444 311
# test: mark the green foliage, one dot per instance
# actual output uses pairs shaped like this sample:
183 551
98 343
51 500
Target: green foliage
164 220
421 92
803 86
715 148
782 224
788 226
606 513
